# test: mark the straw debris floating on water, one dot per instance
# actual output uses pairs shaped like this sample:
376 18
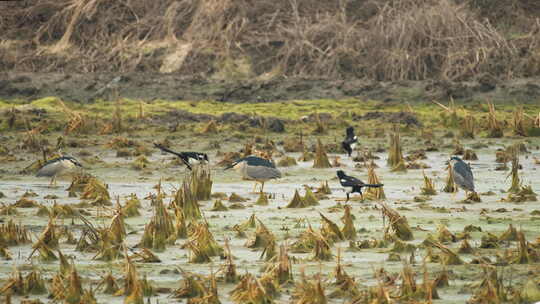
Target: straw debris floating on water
494 127
12 234
287 161
262 237
398 223
309 292
321 159
429 186
200 181
97 192
160 230
348 231
254 290
186 199
202 244
395 155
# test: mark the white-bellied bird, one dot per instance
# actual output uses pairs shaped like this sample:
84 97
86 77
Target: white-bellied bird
56 166
188 158
255 168
350 141
352 184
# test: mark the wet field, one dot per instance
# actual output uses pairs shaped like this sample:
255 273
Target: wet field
442 224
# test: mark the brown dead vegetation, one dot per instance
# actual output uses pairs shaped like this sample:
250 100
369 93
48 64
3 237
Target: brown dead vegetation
380 39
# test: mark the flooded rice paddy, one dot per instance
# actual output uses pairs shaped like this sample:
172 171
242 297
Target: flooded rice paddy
371 266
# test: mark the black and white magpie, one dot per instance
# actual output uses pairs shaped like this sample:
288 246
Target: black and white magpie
350 141
188 158
352 184
56 166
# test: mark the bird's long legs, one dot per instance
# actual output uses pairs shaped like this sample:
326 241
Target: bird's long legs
255 186
53 181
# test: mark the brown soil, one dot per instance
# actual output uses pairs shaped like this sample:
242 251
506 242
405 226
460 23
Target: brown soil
145 86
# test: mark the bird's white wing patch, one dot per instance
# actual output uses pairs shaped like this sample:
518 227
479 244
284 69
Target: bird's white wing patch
193 161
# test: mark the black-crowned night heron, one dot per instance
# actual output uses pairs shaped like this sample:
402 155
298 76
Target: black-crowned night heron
463 176
188 158
352 184
350 141
255 168
58 166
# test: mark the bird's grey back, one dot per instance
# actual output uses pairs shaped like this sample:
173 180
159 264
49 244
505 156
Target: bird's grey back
262 172
463 175
50 169
258 161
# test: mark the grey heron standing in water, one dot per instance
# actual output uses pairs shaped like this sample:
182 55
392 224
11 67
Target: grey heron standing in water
463 176
57 166
255 168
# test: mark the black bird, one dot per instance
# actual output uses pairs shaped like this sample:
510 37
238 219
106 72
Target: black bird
350 141
255 168
353 184
188 158
56 166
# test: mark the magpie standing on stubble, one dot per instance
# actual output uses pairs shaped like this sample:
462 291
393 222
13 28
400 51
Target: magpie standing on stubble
255 168
352 184
188 158
350 141
57 166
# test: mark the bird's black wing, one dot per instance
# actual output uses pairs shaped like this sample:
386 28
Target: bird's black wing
181 155
349 181
194 155
50 161
258 161
350 138
350 132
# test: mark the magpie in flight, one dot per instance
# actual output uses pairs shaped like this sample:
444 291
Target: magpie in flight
350 141
188 158
352 184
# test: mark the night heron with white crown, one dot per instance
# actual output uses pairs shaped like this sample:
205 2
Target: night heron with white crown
255 168
57 166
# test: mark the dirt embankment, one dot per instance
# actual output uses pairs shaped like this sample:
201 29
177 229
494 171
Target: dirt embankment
145 86
246 50
381 40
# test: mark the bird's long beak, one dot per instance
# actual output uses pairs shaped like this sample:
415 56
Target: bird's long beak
229 166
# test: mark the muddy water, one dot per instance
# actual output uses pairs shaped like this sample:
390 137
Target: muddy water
400 188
